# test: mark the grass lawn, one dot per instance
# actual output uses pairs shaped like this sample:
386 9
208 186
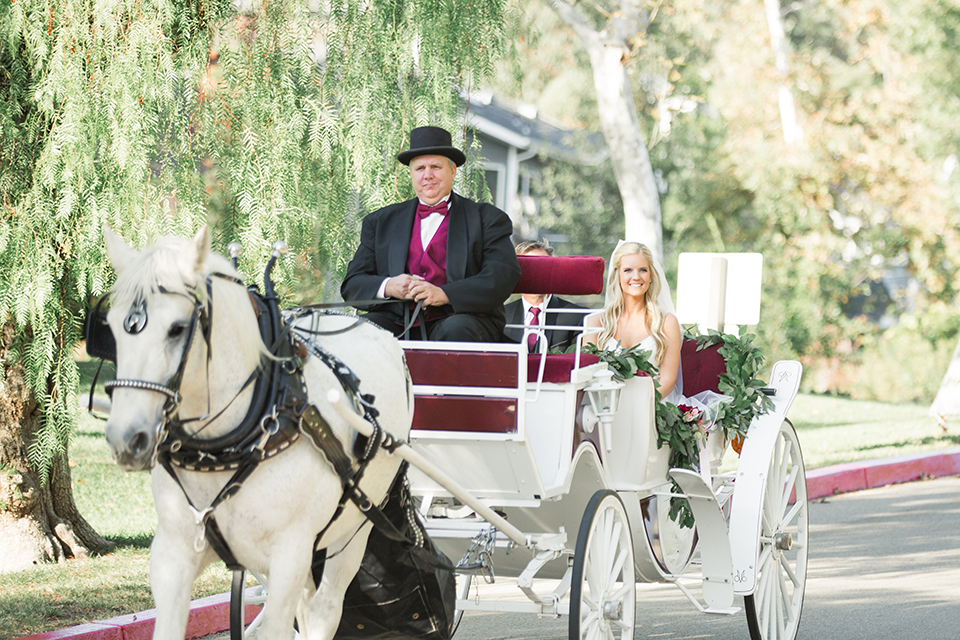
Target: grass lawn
835 430
120 506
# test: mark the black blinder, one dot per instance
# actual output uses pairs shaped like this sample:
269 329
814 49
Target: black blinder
99 336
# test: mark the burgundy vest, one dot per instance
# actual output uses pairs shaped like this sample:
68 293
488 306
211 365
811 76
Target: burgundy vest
431 265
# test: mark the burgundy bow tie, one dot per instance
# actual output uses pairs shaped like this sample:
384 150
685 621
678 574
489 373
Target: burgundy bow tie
424 210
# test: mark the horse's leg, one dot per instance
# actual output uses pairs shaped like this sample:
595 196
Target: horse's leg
288 579
173 567
326 607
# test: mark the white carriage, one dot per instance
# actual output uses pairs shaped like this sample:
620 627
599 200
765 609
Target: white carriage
520 477
584 499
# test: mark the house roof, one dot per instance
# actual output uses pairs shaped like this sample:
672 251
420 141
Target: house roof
522 127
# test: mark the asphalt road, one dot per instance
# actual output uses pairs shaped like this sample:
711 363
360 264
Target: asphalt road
884 564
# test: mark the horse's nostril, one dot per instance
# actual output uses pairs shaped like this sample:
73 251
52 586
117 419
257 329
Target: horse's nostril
138 444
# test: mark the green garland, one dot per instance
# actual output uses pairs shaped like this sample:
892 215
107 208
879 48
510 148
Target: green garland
740 382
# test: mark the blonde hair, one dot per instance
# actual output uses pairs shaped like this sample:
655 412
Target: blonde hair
614 306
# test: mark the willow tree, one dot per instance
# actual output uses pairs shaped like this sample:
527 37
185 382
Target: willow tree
154 117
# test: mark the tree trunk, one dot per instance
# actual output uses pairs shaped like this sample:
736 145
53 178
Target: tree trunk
608 51
39 521
792 132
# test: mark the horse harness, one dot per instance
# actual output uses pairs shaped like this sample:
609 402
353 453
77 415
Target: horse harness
279 413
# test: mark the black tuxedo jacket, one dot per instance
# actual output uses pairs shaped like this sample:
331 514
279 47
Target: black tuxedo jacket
482 268
555 337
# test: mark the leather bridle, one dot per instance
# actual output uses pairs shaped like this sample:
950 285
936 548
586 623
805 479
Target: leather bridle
136 320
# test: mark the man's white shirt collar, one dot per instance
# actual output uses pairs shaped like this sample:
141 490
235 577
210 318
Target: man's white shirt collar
542 320
430 224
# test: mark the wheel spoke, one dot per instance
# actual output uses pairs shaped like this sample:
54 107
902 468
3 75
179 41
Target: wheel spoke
764 557
790 515
789 571
592 629
617 566
622 591
786 599
776 620
591 618
604 540
764 603
766 524
788 488
773 481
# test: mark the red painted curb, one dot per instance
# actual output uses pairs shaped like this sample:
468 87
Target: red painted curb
207 616
868 474
212 615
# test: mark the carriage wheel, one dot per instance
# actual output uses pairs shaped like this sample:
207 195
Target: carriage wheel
236 605
240 628
773 610
603 595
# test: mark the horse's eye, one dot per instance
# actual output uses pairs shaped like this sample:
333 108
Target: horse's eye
176 330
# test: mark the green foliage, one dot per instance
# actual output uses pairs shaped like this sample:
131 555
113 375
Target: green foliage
625 363
743 360
874 186
155 117
574 200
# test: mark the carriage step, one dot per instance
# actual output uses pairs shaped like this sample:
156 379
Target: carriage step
714 541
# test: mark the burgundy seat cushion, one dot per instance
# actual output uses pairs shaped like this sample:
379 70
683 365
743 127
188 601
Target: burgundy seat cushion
558 366
701 369
567 275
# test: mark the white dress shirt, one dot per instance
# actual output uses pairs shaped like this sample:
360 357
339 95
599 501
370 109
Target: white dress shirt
528 317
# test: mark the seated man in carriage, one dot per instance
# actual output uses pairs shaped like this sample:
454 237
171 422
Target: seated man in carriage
451 254
537 309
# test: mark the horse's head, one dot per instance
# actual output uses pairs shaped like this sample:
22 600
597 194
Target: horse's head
160 319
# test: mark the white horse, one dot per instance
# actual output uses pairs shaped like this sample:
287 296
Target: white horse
272 521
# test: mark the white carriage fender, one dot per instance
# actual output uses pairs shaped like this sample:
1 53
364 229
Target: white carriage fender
748 489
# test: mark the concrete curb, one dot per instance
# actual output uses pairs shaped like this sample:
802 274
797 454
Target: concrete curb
212 615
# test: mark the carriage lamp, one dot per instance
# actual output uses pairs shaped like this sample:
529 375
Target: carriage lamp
604 395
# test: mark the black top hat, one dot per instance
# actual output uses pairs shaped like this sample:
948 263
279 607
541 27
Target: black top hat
430 141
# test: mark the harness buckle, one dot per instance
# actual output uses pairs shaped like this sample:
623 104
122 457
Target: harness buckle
159 436
200 538
269 425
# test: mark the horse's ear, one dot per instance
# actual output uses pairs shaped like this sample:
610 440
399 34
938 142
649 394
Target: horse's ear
194 257
119 252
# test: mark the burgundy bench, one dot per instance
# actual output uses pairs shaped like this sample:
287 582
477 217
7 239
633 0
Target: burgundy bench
570 276
701 369
494 368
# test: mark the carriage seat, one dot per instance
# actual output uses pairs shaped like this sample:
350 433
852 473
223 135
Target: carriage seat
484 380
701 369
566 275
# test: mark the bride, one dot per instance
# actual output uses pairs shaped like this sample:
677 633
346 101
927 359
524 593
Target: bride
638 311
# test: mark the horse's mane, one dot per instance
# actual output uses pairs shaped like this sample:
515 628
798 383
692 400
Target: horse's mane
157 267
